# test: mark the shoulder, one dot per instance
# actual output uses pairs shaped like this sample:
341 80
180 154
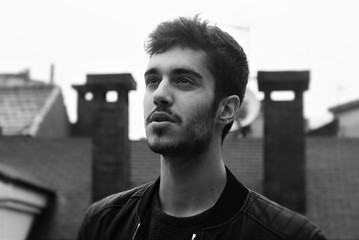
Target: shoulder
103 213
281 221
117 201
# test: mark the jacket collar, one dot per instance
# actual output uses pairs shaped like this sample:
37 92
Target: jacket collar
146 196
229 203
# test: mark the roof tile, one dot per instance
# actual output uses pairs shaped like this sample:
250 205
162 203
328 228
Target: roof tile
20 105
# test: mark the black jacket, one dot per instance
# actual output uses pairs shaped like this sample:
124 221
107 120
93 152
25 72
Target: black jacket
238 216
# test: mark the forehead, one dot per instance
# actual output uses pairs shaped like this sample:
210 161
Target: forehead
180 58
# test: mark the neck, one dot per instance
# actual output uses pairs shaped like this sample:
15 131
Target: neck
190 186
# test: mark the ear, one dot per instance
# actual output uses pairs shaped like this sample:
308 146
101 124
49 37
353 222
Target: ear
228 109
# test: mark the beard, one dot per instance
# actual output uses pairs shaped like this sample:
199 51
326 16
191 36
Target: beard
193 140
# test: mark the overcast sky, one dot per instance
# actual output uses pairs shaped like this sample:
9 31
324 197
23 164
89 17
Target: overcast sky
83 36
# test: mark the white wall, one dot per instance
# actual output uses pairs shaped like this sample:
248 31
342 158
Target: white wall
18 209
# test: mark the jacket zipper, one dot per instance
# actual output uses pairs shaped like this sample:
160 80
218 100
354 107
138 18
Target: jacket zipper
134 235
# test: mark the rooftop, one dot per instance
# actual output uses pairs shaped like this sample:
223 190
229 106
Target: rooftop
23 103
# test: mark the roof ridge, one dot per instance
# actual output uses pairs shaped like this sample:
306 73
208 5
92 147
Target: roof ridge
39 118
31 85
345 106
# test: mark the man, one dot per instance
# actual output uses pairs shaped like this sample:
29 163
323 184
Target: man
195 83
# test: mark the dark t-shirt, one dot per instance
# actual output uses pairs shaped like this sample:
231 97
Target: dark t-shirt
158 225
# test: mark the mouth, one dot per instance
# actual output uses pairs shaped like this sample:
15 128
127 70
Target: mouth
161 117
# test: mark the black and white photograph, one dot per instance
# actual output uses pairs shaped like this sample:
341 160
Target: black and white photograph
179 120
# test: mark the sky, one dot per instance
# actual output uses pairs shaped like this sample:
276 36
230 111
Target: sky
86 37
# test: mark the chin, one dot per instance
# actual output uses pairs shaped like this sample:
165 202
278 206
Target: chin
179 148
192 140
161 144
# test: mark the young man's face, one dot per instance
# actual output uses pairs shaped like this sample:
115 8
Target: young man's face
178 102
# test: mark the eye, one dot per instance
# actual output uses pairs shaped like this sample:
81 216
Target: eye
184 80
152 81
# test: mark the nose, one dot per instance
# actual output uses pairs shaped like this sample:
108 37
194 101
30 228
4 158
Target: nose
163 94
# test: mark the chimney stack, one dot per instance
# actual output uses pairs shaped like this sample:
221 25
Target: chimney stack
284 139
107 122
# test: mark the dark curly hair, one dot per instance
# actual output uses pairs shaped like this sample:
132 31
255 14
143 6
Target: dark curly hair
226 59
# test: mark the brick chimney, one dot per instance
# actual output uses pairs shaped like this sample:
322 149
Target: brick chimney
107 122
284 142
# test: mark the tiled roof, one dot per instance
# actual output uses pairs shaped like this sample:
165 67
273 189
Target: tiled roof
345 107
332 186
64 165
23 107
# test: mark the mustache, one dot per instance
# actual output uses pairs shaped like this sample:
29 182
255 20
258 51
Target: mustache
162 109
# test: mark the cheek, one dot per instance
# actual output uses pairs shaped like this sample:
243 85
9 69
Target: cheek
199 109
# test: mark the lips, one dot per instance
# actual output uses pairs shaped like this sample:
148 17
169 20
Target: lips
161 117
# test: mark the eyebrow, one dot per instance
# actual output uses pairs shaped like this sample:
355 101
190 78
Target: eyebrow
151 71
179 71
176 71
